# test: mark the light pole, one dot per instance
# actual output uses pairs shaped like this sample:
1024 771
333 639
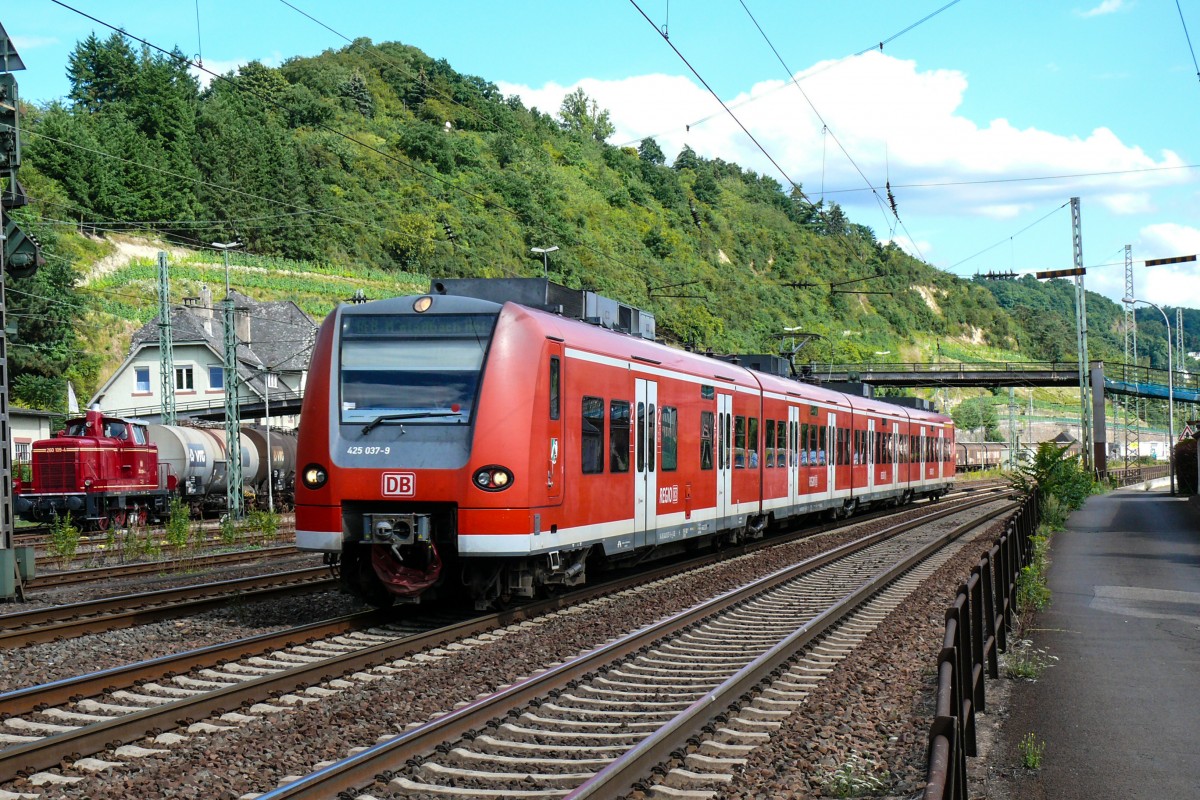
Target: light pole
1170 389
225 247
545 251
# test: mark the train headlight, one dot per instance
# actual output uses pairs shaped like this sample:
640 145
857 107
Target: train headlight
422 304
493 478
314 476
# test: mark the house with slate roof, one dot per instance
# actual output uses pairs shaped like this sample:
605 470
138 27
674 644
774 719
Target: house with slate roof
275 342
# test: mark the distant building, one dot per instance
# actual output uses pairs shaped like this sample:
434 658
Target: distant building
25 427
274 345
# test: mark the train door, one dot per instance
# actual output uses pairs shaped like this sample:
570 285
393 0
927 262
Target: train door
555 458
793 475
830 451
924 452
871 434
645 461
724 454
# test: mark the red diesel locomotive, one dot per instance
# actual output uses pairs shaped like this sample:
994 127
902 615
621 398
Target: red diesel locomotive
450 442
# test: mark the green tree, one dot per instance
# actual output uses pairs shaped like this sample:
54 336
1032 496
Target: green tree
976 414
651 153
582 116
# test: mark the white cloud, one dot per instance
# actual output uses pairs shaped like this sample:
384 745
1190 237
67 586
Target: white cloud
1106 7
212 65
33 42
1173 284
895 121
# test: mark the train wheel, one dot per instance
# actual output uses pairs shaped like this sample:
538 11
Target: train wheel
359 578
100 524
143 516
117 518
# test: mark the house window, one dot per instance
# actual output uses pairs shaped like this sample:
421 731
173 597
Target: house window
216 377
183 379
142 378
23 451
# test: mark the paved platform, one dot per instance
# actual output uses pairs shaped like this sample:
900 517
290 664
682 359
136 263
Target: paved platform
1120 709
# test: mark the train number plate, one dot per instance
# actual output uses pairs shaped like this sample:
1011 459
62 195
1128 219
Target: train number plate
399 484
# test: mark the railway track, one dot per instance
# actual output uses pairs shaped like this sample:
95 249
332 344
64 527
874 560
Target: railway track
248 682
77 619
596 726
186 563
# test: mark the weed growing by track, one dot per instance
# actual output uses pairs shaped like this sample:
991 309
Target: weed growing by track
64 539
1024 661
855 778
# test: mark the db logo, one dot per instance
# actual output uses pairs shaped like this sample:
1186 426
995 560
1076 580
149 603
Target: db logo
399 484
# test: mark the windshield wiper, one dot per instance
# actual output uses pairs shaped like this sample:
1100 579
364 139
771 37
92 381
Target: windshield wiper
408 415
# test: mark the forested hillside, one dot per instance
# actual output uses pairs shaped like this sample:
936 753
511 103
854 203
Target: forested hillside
378 156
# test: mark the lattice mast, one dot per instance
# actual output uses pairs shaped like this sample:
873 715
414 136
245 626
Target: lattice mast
1133 437
166 346
233 445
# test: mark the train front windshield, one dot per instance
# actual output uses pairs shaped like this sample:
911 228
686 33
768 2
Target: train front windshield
410 368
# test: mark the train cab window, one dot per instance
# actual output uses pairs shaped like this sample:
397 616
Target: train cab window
139 434
555 386
415 369
591 450
752 442
618 436
706 440
670 439
739 443
769 442
116 430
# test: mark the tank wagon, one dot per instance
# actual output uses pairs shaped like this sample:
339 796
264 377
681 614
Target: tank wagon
459 444
111 471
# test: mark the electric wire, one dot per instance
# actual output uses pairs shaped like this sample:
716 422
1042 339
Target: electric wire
1187 36
1010 237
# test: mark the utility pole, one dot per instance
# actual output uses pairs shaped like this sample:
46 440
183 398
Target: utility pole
166 347
233 443
1090 459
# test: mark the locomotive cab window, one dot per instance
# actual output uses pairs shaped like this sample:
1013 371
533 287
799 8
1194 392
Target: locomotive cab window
419 369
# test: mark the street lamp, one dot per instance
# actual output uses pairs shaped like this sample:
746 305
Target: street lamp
545 251
225 247
1170 389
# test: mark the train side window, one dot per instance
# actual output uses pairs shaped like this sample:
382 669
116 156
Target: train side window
804 443
591 451
706 440
739 443
769 442
752 442
618 436
555 383
781 444
670 439
822 445
651 440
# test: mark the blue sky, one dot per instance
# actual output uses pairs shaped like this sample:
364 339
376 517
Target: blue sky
986 118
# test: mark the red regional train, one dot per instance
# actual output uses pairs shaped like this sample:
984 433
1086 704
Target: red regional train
450 443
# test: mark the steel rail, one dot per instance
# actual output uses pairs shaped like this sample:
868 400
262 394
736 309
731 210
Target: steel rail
47 624
49 579
361 768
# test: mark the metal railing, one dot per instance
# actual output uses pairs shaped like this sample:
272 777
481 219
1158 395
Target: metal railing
1132 475
977 626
